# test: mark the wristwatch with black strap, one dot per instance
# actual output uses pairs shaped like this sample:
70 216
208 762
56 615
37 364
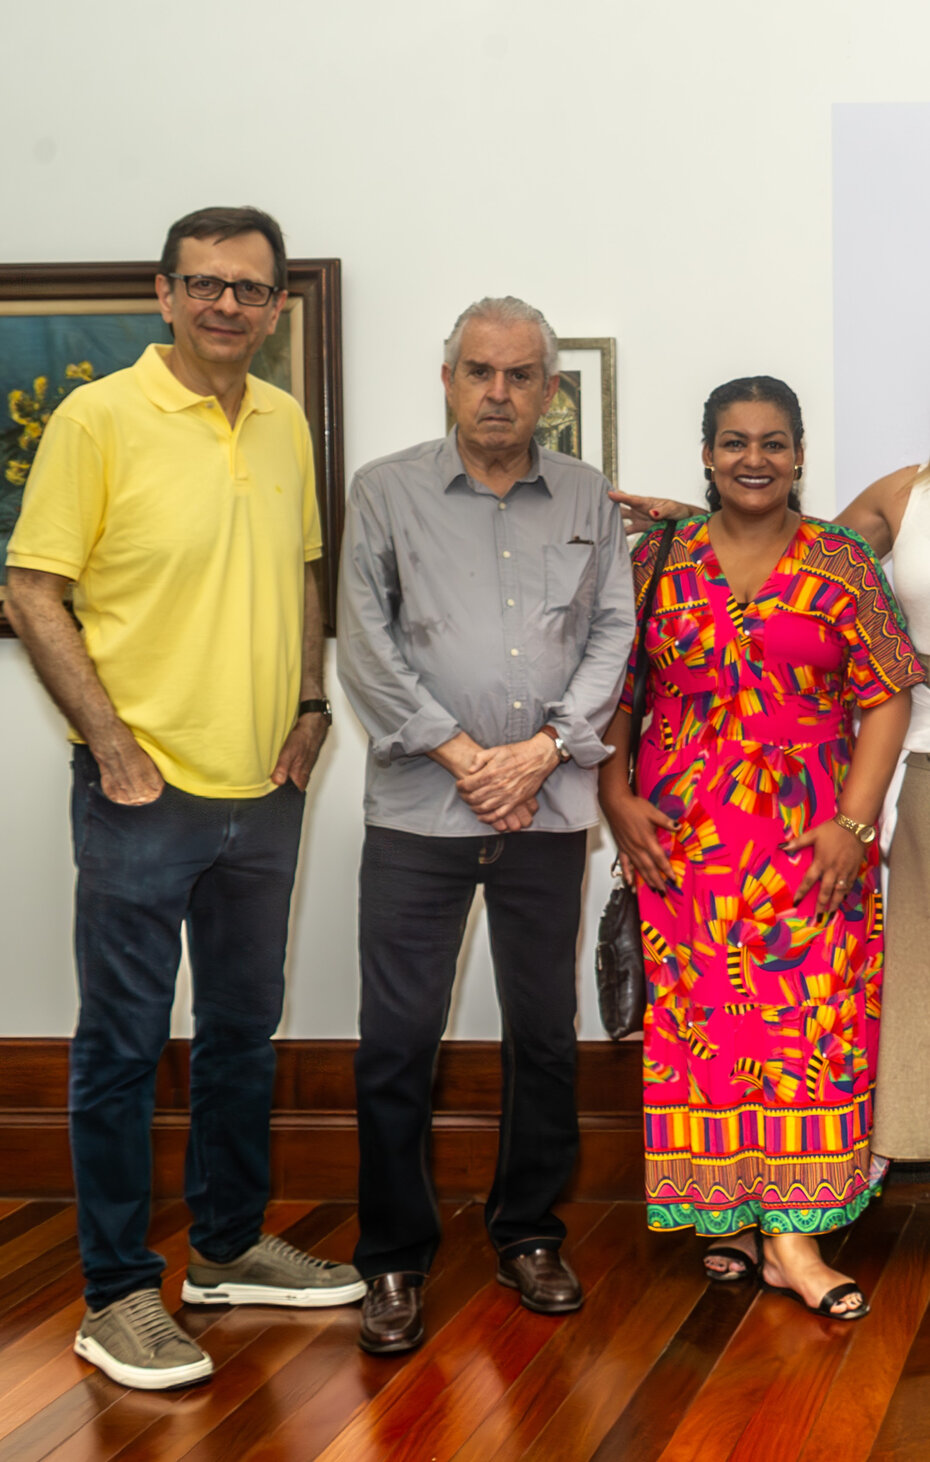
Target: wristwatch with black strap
320 707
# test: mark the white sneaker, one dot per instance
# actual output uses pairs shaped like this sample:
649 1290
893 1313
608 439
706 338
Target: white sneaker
272 1272
135 1342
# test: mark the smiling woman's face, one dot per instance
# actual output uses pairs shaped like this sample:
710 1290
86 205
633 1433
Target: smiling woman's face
753 456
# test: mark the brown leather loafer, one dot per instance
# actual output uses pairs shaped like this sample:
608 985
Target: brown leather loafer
392 1318
545 1282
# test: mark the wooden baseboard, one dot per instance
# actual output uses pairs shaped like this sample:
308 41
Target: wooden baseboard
314 1150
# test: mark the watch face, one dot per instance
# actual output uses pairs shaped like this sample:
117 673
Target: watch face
867 835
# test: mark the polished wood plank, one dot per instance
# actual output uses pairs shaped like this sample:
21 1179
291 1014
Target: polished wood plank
810 1352
778 1336
289 1355
17 1216
50 1229
877 1356
501 1340
641 1275
31 1333
905 1432
659 1403
657 1365
347 1415
640 1337
246 1345
67 1402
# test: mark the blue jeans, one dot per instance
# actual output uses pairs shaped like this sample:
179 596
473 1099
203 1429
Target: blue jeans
415 893
225 868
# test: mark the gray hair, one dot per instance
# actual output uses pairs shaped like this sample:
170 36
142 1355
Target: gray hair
507 310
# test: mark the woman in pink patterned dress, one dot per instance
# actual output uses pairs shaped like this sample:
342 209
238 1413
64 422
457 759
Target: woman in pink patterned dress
753 843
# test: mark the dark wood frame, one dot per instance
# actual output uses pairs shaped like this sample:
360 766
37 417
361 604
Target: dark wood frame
317 283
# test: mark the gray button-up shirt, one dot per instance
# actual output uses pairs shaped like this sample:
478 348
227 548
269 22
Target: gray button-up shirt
463 611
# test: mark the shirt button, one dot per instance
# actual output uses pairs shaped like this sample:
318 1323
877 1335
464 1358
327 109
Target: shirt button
518 705
515 652
503 507
511 603
506 553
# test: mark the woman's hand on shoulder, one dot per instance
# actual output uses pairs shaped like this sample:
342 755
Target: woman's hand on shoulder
838 857
877 512
642 514
633 822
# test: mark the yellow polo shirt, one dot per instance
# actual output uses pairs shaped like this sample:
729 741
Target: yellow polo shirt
186 539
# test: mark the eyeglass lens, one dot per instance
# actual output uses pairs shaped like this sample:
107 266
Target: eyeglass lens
246 291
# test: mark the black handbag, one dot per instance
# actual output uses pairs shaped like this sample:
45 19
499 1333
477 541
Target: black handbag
618 955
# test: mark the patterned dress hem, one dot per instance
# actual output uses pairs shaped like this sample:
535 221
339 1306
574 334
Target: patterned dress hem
665 1217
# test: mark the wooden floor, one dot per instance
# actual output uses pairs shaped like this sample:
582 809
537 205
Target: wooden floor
657 1364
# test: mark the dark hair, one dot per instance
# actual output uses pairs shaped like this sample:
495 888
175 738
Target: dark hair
752 388
225 223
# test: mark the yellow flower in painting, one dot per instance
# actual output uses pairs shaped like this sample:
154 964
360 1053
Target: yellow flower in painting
30 435
40 386
22 407
83 371
17 472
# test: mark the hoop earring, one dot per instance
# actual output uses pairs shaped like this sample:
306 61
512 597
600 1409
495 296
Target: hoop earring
709 474
797 472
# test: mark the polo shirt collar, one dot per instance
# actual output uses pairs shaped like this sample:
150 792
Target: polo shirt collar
165 391
451 468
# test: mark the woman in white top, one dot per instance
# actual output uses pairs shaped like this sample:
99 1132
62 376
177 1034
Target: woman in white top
893 516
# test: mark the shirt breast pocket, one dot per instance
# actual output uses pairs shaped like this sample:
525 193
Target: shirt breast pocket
570 575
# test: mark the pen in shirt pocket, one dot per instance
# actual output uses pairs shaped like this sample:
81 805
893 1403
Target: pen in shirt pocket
588 542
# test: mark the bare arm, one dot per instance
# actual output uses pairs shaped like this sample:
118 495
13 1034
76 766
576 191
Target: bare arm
35 609
877 512
300 751
642 514
838 853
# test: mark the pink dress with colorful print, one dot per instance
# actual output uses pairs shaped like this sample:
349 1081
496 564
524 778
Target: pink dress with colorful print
761 1032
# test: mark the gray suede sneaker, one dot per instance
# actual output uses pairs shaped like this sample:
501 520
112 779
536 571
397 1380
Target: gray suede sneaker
135 1342
272 1272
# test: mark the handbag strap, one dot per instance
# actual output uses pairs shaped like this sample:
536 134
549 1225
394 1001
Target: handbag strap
641 673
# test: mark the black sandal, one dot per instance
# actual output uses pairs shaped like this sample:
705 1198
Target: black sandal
832 1297
750 1268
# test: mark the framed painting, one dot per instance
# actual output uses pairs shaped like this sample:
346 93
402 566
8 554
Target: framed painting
64 324
582 420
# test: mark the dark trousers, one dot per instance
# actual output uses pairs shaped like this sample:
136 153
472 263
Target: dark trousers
224 868
415 893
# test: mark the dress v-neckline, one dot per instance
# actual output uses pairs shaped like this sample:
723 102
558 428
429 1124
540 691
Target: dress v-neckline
717 571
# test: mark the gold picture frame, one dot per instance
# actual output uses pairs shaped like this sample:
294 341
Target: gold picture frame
582 420
60 324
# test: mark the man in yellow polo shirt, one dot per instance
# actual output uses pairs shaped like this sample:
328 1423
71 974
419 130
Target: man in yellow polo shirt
178 497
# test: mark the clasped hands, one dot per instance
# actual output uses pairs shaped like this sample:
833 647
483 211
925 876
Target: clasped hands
836 862
501 783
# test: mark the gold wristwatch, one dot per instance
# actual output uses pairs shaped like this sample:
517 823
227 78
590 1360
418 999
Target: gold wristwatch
864 831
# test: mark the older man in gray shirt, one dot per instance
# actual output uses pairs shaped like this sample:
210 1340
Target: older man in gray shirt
486 616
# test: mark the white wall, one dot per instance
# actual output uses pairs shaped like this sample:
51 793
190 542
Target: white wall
881 225
655 170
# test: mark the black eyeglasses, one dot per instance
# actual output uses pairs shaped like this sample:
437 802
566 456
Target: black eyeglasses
207 287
